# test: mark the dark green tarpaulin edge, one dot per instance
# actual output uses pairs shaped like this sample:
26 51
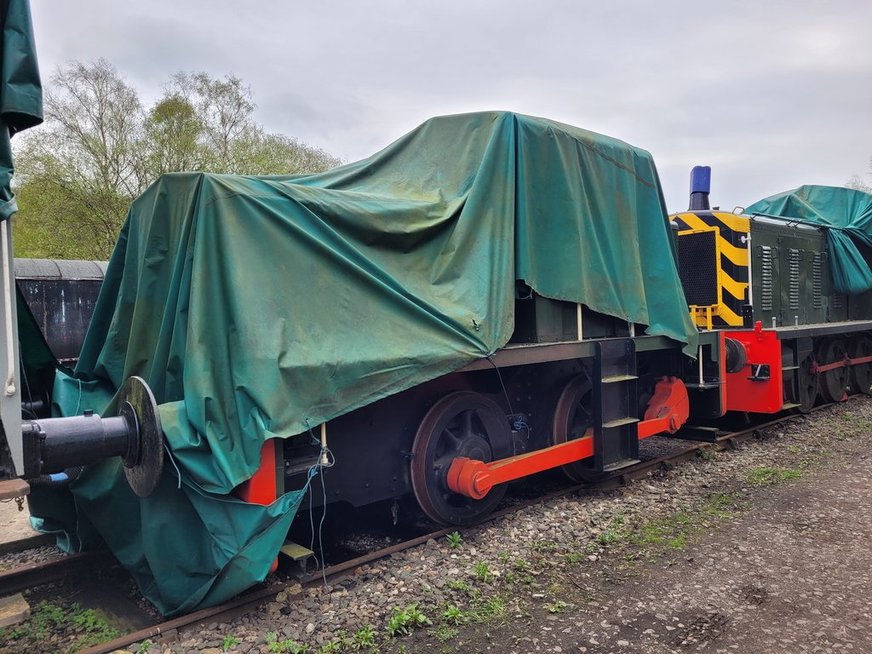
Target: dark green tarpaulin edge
256 307
846 217
20 90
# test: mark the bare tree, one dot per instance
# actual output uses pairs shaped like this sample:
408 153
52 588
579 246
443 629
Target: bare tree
99 149
856 181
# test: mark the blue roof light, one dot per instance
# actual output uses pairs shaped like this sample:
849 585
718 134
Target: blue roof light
701 179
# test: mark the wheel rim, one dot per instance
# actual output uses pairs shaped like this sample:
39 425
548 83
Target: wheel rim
861 376
461 424
573 416
833 383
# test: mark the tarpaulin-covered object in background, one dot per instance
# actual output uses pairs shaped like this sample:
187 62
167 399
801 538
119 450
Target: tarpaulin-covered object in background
846 215
256 307
20 90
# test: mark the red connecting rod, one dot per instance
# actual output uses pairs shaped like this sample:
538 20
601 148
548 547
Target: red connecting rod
667 411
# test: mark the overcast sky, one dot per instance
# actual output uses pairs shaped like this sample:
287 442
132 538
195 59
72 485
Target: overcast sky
771 94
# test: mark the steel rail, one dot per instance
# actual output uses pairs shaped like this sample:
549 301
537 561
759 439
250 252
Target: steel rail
33 575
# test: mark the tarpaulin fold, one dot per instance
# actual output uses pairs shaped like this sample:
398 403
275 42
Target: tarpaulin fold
257 307
846 216
20 90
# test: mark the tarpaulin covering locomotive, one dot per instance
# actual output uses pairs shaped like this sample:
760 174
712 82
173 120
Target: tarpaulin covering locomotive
257 308
845 215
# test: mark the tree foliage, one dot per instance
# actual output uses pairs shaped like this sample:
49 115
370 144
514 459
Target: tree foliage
99 148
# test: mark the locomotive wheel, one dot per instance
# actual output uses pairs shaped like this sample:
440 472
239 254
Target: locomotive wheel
809 386
573 416
460 424
861 376
834 383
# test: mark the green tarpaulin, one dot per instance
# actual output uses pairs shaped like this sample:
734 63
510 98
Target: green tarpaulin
20 90
846 215
256 307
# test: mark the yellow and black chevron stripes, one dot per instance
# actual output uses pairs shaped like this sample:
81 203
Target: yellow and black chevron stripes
728 225
730 252
737 289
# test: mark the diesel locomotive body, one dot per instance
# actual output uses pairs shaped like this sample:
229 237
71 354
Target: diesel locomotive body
766 283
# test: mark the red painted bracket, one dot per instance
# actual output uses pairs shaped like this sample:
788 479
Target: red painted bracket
668 409
261 487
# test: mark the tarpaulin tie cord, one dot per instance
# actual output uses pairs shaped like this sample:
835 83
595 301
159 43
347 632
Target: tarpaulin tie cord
517 418
324 455
79 399
173 461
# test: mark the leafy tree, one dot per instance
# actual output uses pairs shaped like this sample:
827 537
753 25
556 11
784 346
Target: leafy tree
173 134
99 148
76 178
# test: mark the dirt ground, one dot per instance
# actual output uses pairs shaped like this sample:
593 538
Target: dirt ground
794 574
782 564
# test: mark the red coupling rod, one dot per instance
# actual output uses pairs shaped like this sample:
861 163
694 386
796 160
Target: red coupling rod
474 478
841 363
667 411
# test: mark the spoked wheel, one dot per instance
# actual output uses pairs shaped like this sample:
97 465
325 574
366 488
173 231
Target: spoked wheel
573 416
834 383
460 424
809 386
861 375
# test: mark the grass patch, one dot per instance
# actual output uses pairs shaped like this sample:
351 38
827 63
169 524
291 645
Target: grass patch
444 633
363 639
90 626
486 610
453 615
521 565
454 540
557 606
459 585
482 572
674 532
764 476
405 620
289 646
544 546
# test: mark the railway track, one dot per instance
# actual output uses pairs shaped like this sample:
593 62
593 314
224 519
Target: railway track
34 575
